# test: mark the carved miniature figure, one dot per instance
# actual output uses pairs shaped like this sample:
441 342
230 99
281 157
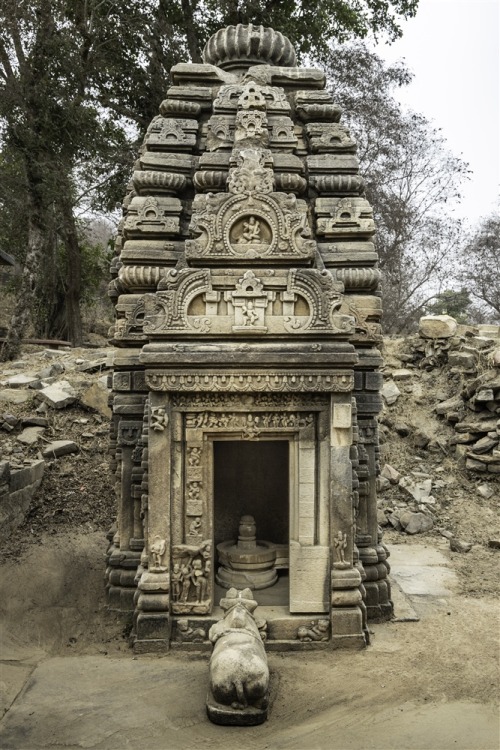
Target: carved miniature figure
250 232
317 631
176 582
340 544
195 526
249 313
186 571
157 548
199 581
185 633
159 419
239 675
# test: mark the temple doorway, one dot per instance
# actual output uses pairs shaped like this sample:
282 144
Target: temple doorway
252 478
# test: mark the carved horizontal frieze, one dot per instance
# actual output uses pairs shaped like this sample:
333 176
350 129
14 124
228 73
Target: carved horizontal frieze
297 381
289 182
232 96
344 217
329 138
180 108
149 181
210 180
280 401
166 162
332 163
152 252
249 424
152 216
203 95
337 184
366 279
204 301
171 134
139 278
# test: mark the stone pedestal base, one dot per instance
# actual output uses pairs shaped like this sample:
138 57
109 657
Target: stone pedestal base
347 628
236 717
152 633
255 579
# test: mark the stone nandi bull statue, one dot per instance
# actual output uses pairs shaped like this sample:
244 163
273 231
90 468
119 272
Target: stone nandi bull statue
239 675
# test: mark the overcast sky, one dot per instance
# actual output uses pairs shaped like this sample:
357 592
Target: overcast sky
452 47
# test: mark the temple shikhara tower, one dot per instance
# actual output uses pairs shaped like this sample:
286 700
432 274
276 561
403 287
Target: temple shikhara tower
246 383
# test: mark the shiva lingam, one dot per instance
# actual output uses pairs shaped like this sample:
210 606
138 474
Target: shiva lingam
246 563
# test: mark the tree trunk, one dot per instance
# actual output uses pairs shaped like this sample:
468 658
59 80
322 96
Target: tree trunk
74 330
31 272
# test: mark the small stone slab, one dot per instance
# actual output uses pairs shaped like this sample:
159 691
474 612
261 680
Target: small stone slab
59 448
59 395
390 392
30 435
22 381
15 395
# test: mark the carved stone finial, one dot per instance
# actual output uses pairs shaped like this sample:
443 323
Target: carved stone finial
241 46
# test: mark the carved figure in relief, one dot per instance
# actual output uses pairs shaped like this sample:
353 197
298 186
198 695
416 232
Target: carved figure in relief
186 571
159 419
340 544
176 582
157 548
249 313
185 633
250 232
199 581
195 526
316 631
194 456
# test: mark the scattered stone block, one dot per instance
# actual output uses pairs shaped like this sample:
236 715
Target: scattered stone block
494 543
390 392
96 397
388 472
15 395
59 448
456 545
402 374
402 429
415 523
22 381
58 396
30 435
421 439
485 444
463 361
35 421
420 491
437 326
486 491
450 405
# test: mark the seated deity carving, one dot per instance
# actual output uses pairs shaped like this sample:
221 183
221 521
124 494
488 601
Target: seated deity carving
250 232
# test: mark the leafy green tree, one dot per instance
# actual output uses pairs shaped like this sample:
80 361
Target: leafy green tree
454 302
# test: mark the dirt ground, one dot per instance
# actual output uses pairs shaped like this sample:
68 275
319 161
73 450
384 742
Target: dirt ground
68 678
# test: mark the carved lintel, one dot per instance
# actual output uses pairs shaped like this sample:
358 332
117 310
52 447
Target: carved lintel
302 381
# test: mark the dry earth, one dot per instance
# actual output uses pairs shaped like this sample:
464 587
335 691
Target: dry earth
69 680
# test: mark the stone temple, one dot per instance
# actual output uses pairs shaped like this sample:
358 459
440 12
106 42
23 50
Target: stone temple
246 371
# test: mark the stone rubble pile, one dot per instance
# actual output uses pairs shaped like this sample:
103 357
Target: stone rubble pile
32 393
472 361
